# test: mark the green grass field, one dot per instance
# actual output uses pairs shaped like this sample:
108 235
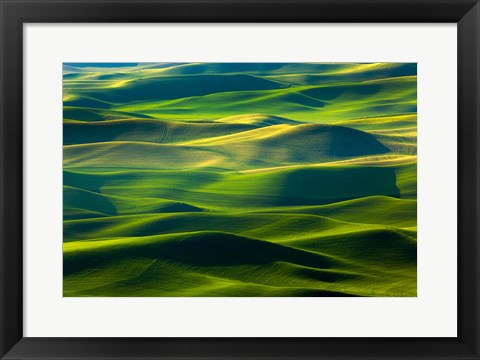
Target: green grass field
248 179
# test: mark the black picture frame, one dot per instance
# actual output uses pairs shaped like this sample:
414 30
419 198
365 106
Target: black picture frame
14 13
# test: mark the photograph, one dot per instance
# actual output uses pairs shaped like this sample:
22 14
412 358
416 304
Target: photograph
239 179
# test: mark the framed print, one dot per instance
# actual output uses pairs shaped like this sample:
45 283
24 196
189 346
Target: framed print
239 180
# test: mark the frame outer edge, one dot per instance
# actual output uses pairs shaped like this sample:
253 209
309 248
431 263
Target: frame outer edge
469 179
3 326
241 11
11 179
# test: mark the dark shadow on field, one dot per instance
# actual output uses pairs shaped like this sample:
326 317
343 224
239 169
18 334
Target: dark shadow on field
86 102
314 187
97 114
197 249
320 293
77 199
114 76
175 87
385 247
332 142
332 92
156 131
90 182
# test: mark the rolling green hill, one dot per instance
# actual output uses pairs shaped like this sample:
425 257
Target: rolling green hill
285 144
239 179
